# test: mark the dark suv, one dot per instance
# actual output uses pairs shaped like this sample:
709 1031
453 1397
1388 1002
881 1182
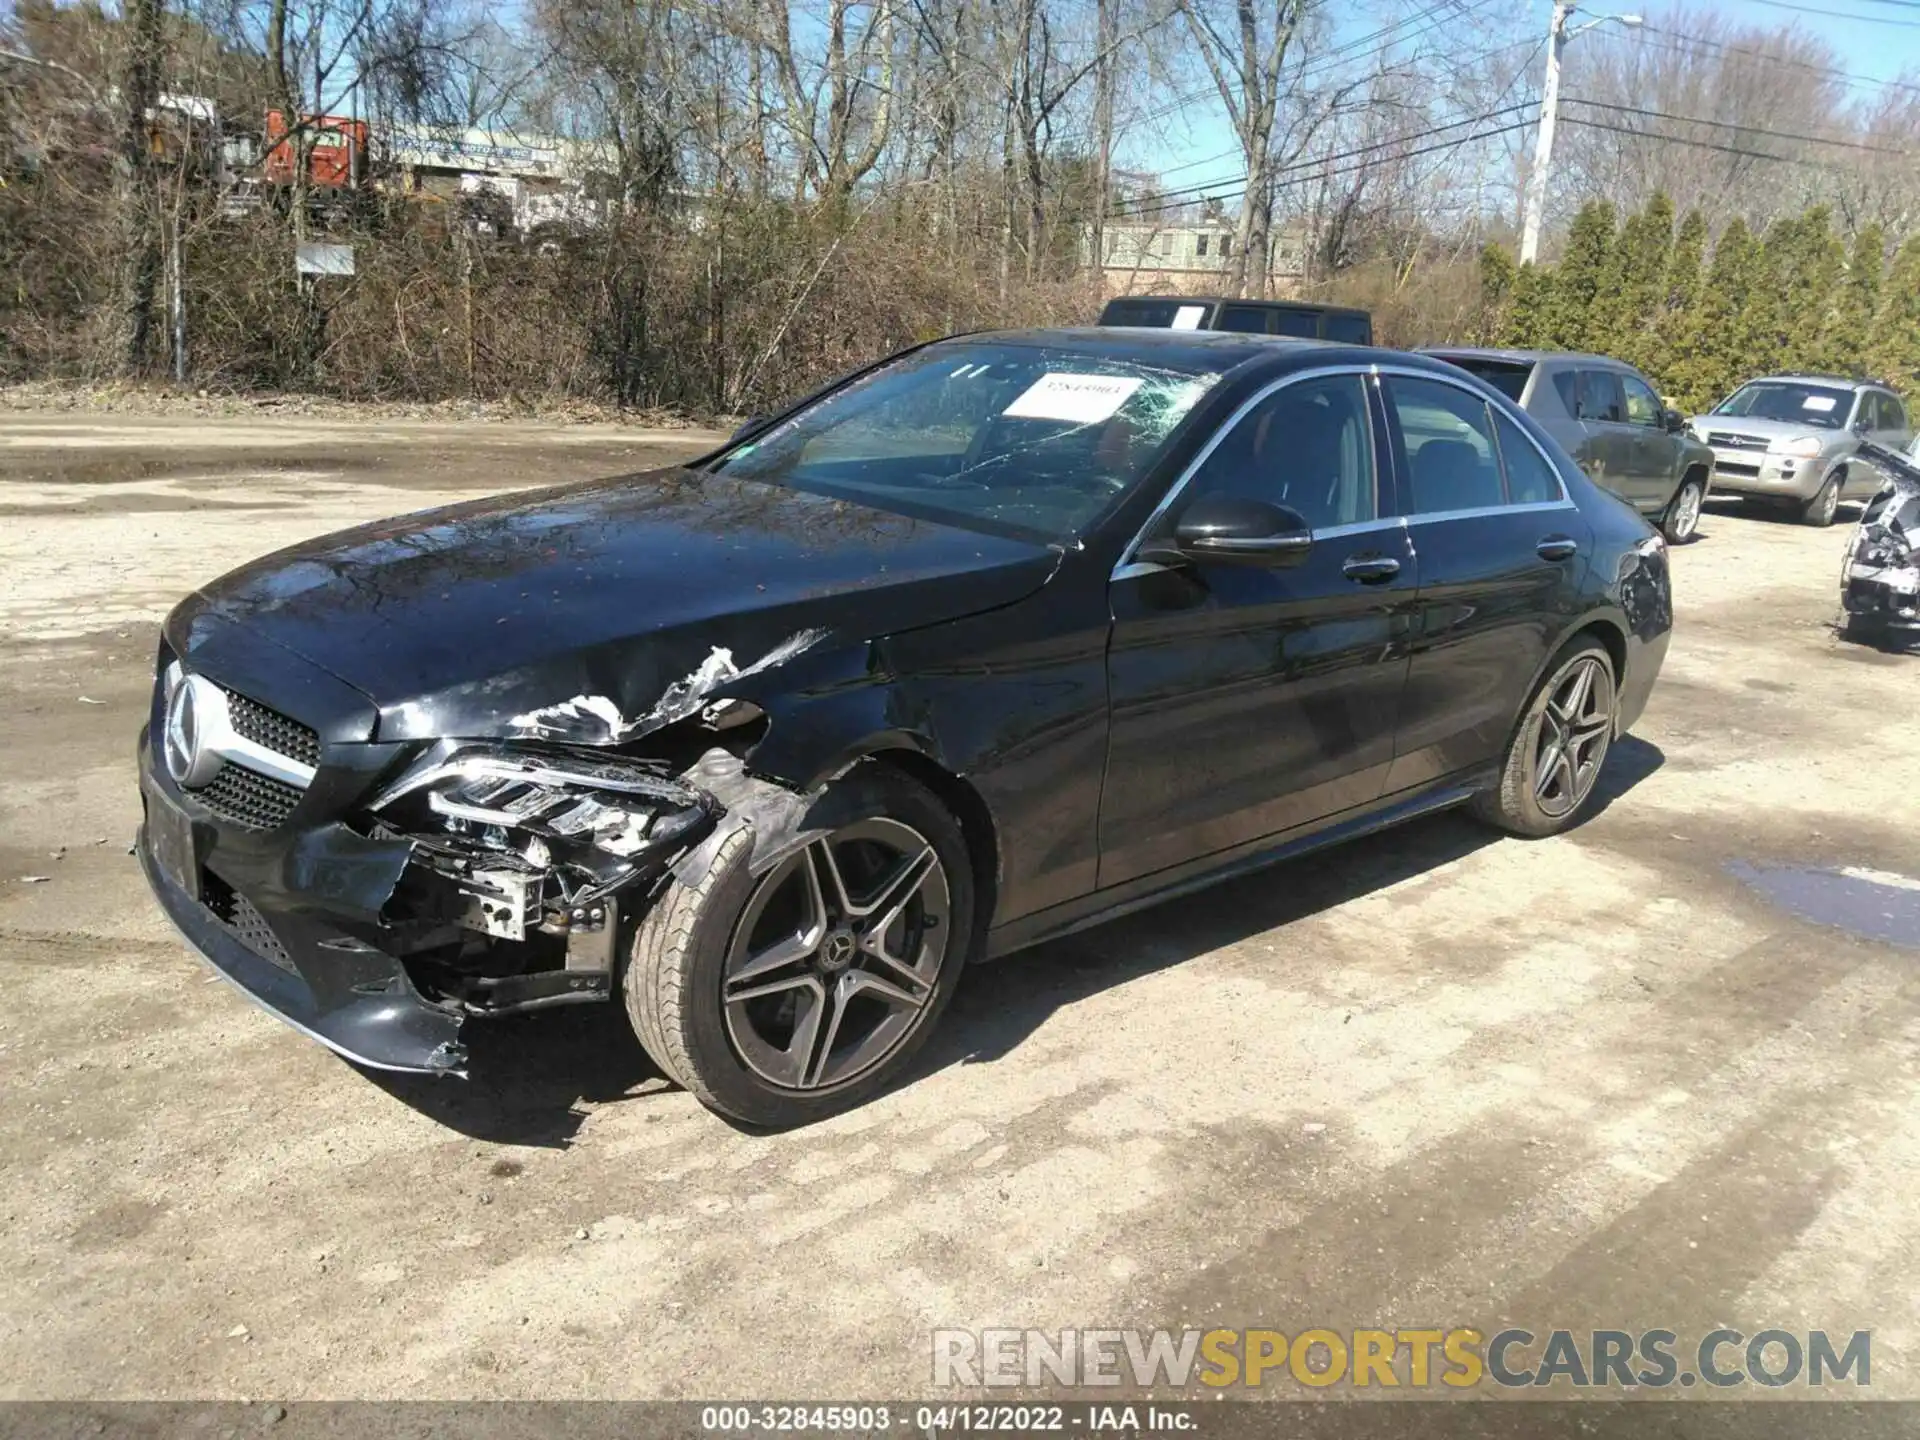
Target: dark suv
1606 415
1296 319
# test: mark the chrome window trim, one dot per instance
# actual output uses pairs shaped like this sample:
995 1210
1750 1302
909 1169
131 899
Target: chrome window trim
1531 506
1127 567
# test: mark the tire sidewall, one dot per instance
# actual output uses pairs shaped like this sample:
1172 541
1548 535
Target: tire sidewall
868 791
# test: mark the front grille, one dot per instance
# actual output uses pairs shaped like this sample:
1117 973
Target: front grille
275 731
247 798
1724 441
249 926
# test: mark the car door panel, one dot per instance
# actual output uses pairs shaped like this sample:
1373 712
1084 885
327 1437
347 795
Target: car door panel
1656 452
1248 701
1496 583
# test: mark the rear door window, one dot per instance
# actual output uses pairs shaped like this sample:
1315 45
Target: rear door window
1600 397
1300 324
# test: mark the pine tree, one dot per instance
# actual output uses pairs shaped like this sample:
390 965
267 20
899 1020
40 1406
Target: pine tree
1845 347
1670 348
1633 291
1811 290
1896 332
1529 318
1583 270
1497 278
1715 356
1764 323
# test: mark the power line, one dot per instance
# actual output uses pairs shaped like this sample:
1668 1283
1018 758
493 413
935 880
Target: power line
1730 125
1694 144
1325 59
1174 198
1841 14
1461 60
1781 60
1355 170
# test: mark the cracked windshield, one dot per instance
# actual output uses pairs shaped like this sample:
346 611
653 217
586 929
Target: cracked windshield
1030 440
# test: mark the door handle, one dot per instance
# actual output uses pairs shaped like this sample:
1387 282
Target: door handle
1371 569
1558 547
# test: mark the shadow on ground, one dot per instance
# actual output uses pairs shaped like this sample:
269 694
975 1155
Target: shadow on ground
531 1074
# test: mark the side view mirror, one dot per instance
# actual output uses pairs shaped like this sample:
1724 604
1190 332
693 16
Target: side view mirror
1860 427
746 427
1233 530
1673 420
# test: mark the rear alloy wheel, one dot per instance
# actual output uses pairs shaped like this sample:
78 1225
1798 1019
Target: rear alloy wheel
783 997
1682 519
1820 510
1557 752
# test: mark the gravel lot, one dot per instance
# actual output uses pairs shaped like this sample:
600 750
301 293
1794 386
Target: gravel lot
1614 1079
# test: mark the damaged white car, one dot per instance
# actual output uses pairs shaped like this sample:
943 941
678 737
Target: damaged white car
1880 588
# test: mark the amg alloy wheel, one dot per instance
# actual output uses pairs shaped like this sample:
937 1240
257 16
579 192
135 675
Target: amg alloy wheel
785 996
836 955
1559 747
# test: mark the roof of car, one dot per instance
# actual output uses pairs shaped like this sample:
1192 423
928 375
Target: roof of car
1788 376
1240 300
1523 357
1214 347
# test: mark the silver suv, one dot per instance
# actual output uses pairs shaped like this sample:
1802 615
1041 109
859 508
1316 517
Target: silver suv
1796 438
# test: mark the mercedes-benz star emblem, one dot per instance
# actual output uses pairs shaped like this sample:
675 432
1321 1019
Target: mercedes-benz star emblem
193 711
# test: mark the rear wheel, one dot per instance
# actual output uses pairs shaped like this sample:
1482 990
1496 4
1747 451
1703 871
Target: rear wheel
1820 510
784 997
1554 758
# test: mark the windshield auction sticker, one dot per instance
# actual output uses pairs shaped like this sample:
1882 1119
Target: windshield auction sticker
1077 399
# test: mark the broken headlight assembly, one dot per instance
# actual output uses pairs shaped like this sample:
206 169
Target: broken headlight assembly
535 840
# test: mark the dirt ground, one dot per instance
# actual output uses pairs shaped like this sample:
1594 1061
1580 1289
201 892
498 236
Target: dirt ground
1625 1078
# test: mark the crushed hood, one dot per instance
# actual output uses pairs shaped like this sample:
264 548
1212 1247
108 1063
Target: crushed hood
594 609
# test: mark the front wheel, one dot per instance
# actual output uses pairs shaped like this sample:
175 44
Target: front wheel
1820 510
783 997
1557 750
1682 520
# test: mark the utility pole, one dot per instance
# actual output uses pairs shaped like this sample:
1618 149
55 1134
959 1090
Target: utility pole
1543 147
1557 37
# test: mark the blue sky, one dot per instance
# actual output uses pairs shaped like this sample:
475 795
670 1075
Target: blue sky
1881 43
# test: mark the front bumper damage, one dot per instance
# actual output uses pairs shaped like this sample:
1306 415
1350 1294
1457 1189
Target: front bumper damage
1880 583
383 930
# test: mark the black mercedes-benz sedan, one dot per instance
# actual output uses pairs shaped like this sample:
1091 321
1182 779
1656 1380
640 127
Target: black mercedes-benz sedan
998 638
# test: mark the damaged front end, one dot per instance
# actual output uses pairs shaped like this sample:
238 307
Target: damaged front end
1880 586
379 895
522 861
